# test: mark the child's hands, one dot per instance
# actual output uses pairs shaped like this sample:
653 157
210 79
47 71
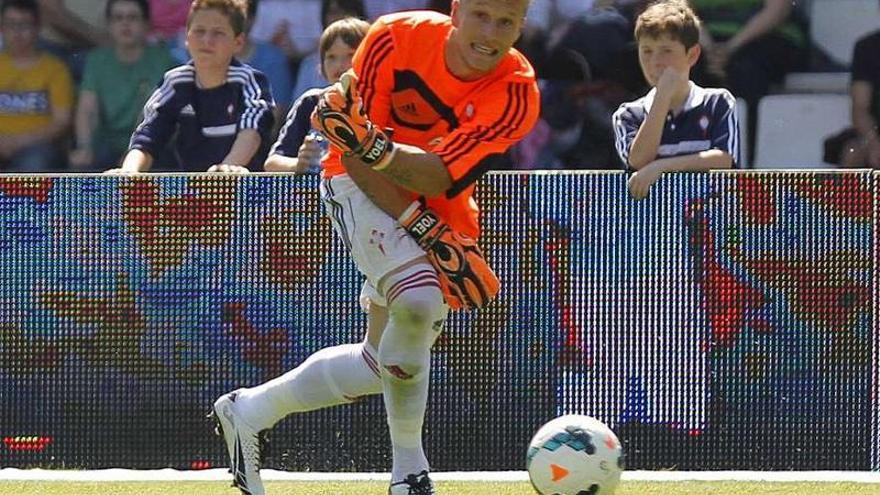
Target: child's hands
309 151
671 80
228 169
640 183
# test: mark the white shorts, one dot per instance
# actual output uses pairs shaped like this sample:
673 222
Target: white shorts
377 243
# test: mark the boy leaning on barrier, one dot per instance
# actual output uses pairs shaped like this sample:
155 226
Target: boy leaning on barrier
677 126
219 108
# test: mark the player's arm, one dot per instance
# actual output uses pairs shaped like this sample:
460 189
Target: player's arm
465 277
382 191
417 170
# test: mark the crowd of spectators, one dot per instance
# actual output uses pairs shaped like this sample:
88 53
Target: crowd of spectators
75 74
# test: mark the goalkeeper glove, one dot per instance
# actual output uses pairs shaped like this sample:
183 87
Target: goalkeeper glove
340 116
466 279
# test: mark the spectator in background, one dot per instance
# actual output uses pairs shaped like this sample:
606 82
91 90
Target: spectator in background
859 146
220 109
750 45
297 149
116 83
294 26
677 126
584 55
168 19
71 27
269 60
310 74
376 8
36 94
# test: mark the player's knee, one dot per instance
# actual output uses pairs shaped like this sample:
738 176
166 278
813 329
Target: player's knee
398 364
418 308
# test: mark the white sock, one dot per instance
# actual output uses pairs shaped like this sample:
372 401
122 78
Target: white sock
331 376
416 312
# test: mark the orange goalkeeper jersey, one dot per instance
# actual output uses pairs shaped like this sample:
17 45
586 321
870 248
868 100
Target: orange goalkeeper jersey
406 87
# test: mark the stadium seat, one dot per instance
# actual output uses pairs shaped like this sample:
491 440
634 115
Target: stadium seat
742 117
792 129
836 25
817 82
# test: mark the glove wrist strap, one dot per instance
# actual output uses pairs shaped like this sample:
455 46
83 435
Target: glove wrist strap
386 160
421 223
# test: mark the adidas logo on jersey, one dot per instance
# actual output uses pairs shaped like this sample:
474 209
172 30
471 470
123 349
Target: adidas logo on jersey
187 110
410 108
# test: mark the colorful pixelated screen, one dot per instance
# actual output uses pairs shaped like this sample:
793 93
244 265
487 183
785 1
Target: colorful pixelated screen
728 321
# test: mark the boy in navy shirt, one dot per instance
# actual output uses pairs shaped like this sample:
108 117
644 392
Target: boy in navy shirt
220 108
677 126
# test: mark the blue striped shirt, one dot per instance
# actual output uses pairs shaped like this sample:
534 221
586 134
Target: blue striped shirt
206 121
706 121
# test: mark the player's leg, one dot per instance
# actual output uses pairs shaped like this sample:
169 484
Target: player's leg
331 376
416 312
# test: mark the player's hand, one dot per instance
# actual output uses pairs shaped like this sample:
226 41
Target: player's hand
229 169
340 116
466 279
640 183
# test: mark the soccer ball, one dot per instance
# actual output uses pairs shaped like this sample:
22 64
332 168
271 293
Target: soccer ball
574 455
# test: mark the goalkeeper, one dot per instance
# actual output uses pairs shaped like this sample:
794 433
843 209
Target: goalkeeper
433 103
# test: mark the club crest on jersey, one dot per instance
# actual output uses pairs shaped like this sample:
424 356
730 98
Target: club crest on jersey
469 111
704 124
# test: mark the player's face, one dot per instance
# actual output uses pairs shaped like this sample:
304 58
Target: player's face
656 54
19 28
211 40
485 30
128 27
337 59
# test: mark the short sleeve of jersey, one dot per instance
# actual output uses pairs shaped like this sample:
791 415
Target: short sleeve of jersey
865 63
257 101
626 122
297 125
725 128
502 115
374 65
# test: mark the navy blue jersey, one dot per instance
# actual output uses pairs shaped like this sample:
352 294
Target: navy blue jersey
706 121
206 121
297 125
